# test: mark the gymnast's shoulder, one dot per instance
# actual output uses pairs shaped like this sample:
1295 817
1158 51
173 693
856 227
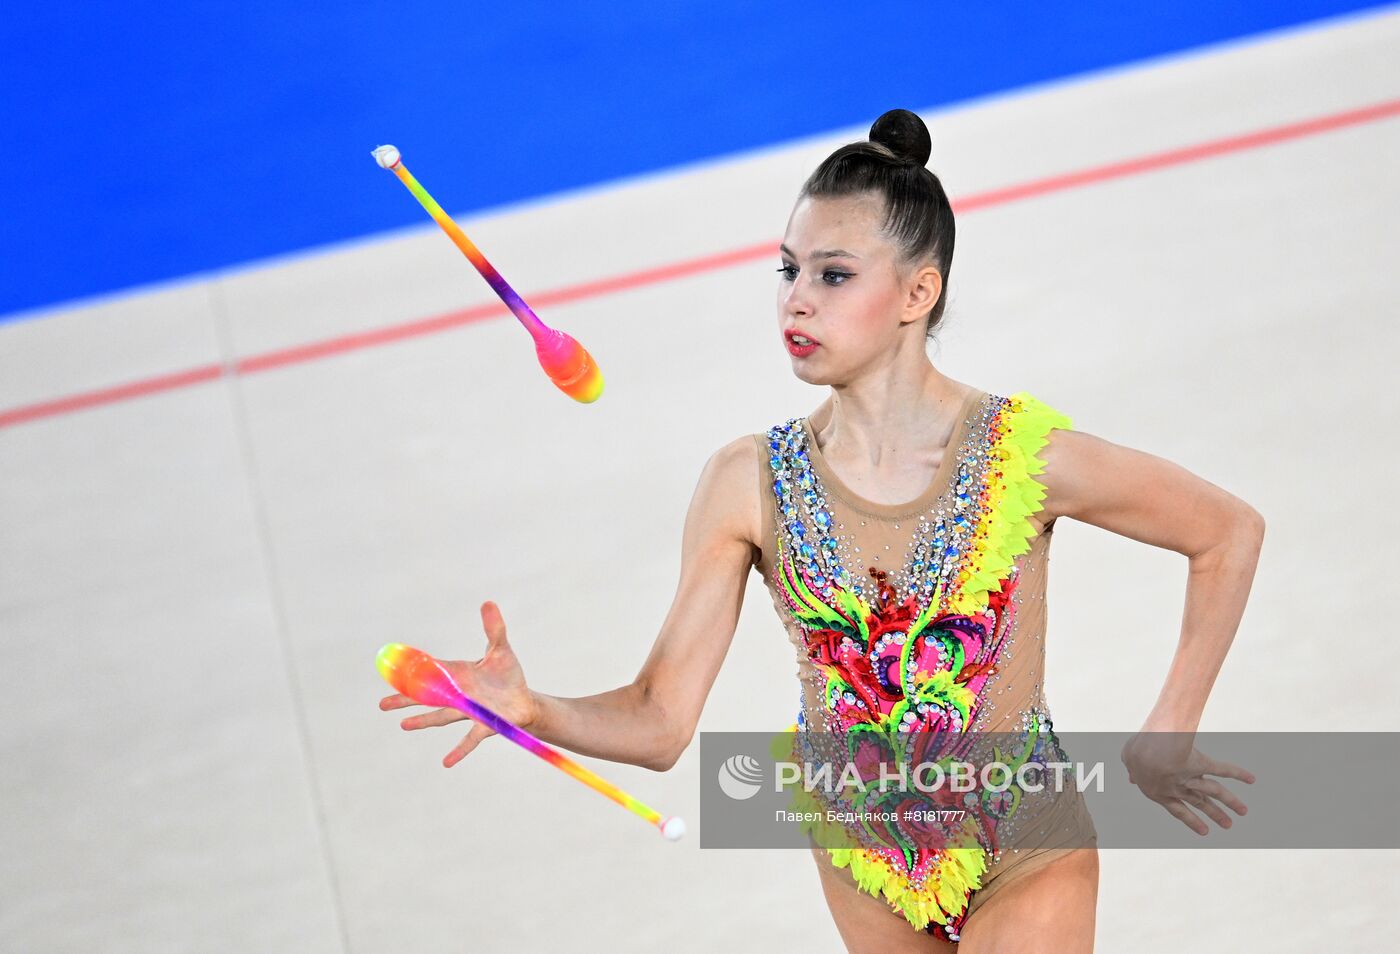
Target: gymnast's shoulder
727 503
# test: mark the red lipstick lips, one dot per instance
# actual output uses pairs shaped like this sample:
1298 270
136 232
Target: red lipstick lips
799 350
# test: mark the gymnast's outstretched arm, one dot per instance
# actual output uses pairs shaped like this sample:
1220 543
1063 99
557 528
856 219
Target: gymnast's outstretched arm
651 720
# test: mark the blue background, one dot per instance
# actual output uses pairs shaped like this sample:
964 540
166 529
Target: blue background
147 142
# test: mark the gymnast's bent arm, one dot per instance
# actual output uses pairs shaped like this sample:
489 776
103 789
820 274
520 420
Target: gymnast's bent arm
651 720
1152 500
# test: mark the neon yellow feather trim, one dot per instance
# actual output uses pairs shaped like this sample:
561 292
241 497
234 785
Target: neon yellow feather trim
959 871
943 896
1005 532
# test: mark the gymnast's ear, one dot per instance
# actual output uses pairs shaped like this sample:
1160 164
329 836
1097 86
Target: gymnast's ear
925 284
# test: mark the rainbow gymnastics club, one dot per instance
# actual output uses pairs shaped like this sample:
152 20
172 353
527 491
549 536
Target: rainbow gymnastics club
565 361
423 679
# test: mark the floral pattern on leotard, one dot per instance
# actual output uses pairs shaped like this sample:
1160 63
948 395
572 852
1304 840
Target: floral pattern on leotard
904 673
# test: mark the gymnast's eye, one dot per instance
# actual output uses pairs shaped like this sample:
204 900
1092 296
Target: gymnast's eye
832 276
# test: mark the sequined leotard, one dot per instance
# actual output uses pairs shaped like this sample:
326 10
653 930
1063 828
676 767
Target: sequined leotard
927 615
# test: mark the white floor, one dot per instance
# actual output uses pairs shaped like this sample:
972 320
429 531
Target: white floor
193 583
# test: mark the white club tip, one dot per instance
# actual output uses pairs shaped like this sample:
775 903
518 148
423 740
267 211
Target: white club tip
386 156
673 829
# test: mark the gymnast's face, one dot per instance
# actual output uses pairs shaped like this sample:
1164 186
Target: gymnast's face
853 307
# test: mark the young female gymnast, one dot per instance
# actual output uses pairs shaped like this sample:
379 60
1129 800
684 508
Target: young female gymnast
903 532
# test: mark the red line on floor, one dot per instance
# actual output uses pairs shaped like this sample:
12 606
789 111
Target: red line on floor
651 276
120 392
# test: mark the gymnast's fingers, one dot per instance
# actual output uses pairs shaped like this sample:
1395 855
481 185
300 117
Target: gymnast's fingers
1208 807
1228 770
444 716
1178 810
396 701
464 748
1213 789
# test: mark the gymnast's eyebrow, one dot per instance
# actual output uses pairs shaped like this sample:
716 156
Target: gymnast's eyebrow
821 253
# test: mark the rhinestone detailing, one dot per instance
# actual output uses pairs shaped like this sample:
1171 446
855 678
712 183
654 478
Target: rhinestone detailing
825 556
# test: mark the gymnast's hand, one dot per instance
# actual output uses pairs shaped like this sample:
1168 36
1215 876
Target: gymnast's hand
495 680
1171 771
